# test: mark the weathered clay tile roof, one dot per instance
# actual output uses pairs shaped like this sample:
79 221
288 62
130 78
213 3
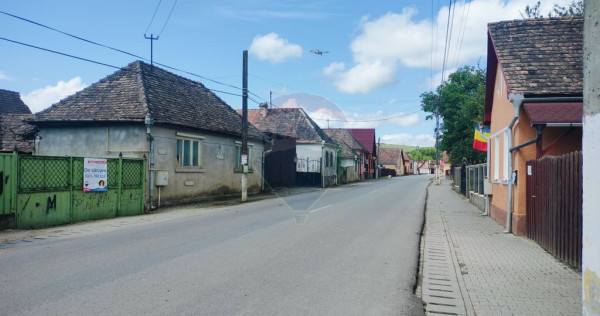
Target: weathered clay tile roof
350 146
366 136
293 122
389 156
541 56
138 90
544 113
16 133
11 103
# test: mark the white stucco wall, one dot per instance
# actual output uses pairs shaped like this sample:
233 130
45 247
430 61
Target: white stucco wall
216 175
591 157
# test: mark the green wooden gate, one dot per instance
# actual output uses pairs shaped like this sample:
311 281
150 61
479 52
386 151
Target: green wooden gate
47 191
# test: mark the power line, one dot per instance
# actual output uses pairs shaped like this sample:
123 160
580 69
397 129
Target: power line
153 15
103 64
117 50
168 17
60 53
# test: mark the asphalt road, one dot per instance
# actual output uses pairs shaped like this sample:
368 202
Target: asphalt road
349 250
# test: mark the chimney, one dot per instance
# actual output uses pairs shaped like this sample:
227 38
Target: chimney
263 109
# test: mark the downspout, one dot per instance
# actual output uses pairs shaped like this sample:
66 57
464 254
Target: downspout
149 121
516 100
540 128
486 211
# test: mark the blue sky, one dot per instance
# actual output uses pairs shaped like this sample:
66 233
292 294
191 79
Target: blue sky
382 54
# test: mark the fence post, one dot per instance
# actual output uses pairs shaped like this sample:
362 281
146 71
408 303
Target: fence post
120 183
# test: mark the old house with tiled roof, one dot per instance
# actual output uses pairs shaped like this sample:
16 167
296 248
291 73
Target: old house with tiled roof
352 155
366 136
533 105
316 153
15 133
185 131
391 161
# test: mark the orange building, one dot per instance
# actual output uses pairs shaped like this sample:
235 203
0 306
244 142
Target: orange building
534 103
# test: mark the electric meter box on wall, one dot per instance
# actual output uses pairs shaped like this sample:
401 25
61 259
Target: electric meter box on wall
162 178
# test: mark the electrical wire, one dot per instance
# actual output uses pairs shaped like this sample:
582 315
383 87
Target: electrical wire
102 63
118 50
168 17
153 15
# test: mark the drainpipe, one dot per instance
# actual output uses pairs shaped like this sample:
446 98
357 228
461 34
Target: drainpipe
516 100
149 121
539 128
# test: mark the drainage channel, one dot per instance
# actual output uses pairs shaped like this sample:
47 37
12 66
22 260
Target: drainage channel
440 288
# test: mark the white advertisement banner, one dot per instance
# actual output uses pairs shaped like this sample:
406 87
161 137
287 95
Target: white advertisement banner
95 173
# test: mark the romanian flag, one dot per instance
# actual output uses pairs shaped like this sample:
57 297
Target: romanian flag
479 142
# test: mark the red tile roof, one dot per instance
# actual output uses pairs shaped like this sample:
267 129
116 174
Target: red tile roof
366 136
543 113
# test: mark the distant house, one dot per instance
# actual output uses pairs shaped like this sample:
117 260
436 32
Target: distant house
316 153
533 104
366 136
15 133
352 155
188 134
391 161
407 168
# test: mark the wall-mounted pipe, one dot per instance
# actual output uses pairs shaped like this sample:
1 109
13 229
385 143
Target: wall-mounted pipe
516 100
540 128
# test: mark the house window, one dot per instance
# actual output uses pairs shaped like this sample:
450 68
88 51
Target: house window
496 157
505 153
189 151
238 157
326 159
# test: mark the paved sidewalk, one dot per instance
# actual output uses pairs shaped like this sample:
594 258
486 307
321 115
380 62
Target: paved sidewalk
470 267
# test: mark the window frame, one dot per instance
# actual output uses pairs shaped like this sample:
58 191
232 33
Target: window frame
193 154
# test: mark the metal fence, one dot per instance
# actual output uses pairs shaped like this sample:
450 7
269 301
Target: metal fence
40 191
470 178
554 205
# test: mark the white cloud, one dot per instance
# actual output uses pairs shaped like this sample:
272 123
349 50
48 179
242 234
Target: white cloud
409 139
333 68
4 76
274 49
358 120
364 77
399 40
40 99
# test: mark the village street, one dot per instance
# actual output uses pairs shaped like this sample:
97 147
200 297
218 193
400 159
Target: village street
348 250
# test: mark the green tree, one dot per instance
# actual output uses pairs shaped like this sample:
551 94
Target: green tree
422 153
460 101
575 8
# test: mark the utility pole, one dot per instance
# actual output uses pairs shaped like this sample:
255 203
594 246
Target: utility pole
437 135
270 99
152 39
244 158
